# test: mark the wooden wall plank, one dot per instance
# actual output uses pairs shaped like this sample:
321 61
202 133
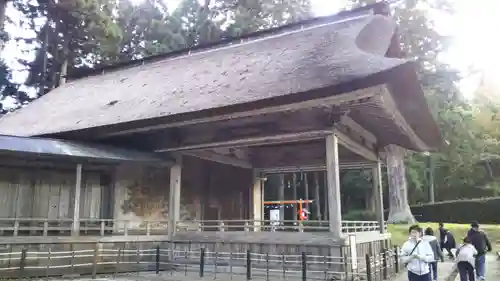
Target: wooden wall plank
29 193
4 194
66 184
54 192
25 199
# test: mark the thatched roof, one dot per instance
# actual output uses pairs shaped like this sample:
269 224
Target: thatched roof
341 50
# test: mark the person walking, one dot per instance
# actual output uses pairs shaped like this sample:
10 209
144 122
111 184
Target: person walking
442 234
449 243
466 259
480 241
436 248
416 254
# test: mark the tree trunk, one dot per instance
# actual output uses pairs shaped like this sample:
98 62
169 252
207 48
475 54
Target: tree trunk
3 35
45 45
399 209
3 7
430 178
64 64
64 72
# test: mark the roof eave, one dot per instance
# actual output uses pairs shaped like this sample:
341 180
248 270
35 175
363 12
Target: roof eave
416 118
409 69
62 149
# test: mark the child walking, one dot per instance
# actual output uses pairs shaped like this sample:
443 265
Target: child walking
438 254
416 254
466 259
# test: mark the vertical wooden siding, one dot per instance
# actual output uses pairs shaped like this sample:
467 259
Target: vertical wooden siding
32 193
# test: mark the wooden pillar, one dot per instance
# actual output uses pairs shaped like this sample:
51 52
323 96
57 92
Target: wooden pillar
257 202
333 183
281 197
306 189
174 204
378 194
430 178
76 201
317 198
294 187
325 196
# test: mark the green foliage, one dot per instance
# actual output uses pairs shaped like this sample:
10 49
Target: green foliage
250 16
484 210
10 90
359 215
356 189
68 35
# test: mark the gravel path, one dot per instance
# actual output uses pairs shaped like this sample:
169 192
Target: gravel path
492 268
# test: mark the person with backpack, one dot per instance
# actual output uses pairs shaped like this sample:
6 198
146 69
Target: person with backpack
416 254
436 248
480 241
466 259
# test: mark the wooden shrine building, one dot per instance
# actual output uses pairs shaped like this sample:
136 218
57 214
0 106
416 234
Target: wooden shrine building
212 121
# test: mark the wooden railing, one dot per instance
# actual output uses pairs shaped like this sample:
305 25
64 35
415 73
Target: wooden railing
102 227
267 225
94 227
361 226
195 261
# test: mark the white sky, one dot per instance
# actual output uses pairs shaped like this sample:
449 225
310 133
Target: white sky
473 30
475 39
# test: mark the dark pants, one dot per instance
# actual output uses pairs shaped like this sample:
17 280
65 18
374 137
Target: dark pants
415 277
448 249
480 266
434 270
466 271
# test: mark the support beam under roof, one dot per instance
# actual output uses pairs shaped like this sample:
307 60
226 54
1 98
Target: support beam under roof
220 158
252 141
358 129
348 142
313 168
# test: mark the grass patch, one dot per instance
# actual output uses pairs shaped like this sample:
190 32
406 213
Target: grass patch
399 232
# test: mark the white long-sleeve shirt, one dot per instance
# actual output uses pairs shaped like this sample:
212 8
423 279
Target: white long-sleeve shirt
466 252
418 261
